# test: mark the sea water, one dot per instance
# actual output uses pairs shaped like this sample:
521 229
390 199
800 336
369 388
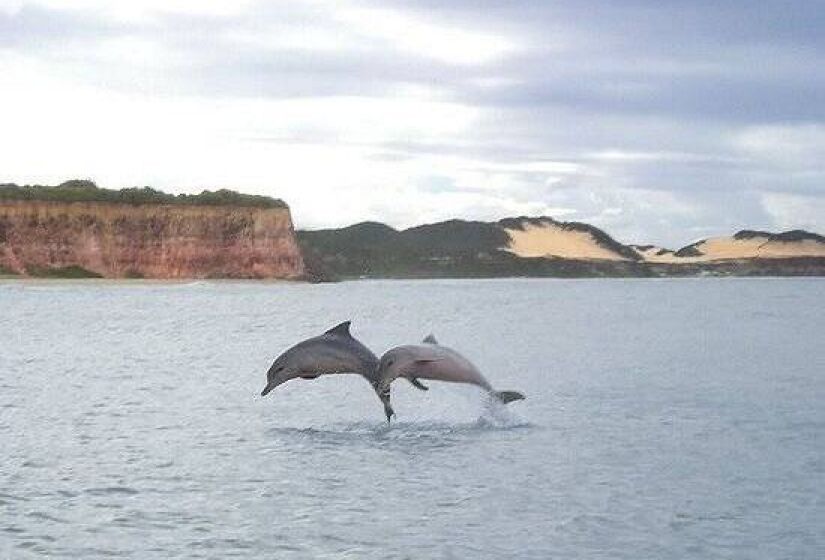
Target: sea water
664 419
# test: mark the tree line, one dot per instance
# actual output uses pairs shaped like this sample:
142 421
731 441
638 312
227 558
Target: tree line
84 190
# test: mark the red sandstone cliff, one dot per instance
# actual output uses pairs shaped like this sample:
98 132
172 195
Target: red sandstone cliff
149 240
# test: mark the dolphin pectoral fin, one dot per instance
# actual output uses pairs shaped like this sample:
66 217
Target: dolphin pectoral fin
417 384
508 396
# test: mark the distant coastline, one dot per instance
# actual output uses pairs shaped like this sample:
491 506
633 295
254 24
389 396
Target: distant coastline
544 247
78 230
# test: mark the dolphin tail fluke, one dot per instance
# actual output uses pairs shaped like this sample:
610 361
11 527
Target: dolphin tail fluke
508 396
384 395
388 411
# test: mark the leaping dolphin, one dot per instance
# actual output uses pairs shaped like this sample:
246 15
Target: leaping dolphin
335 351
430 360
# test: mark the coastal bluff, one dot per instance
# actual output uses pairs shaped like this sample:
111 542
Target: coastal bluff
113 239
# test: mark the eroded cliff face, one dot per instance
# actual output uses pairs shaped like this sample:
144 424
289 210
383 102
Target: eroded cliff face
150 240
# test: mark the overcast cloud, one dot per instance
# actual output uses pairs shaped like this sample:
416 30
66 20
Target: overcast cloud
660 121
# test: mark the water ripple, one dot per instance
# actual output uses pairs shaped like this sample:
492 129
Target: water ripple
111 490
652 429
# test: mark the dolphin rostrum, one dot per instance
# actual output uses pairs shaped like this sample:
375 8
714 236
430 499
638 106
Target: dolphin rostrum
335 351
430 360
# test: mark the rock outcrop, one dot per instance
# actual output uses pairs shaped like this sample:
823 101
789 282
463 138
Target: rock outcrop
121 240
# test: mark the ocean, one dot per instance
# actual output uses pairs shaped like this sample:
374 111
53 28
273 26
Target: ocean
666 419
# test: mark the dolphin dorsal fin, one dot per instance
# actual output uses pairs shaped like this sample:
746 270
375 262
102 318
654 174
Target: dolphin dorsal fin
340 330
430 339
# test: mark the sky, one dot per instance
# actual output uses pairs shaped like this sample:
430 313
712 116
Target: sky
659 121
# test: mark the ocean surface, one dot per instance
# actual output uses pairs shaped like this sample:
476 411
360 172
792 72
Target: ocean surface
664 419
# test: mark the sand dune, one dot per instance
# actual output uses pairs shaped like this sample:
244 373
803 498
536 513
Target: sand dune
655 254
728 248
550 239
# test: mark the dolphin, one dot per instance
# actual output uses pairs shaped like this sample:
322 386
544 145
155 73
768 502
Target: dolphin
335 351
430 360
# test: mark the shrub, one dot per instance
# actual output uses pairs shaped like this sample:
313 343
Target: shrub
84 190
72 271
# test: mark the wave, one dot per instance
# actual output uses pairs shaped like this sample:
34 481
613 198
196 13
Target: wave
430 433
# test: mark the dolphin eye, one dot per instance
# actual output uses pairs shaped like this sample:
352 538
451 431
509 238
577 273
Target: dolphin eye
390 362
279 369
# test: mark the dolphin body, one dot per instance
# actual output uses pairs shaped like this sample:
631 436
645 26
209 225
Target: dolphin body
335 351
430 360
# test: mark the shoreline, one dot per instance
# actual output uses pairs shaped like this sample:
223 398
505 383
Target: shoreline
126 282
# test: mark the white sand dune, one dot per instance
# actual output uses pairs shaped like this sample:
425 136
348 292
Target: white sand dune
651 254
549 239
729 248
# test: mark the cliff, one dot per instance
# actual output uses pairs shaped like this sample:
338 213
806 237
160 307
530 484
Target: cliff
153 240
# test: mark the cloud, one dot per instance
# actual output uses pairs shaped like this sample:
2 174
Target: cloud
799 148
793 211
448 44
660 121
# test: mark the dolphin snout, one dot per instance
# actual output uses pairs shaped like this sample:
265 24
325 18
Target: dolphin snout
269 386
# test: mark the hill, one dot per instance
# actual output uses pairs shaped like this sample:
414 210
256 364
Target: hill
542 246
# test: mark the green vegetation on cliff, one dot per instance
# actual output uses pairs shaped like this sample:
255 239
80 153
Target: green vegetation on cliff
82 190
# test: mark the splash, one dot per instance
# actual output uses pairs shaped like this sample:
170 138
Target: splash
485 414
498 415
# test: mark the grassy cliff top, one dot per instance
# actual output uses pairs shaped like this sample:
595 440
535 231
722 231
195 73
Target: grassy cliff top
82 190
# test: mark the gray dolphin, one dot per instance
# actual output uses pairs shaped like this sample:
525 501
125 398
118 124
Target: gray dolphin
430 360
335 351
